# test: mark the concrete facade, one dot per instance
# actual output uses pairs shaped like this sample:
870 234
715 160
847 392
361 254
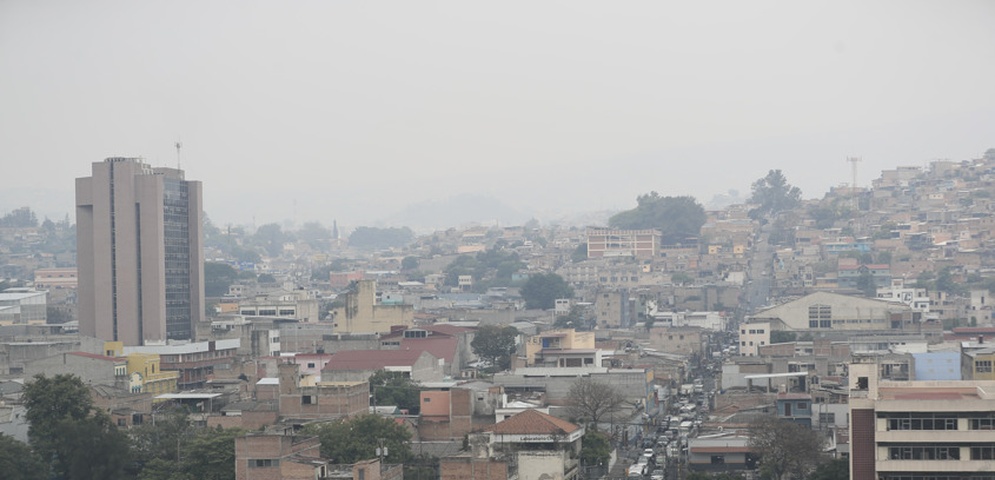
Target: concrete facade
362 313
140 253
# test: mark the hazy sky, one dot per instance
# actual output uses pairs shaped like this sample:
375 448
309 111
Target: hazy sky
352 110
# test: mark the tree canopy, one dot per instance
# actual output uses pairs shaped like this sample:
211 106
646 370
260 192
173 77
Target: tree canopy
496 344
357 438
218 277
678 218
19 218
786 449
488 268
773 194
75 440
542 290
393 388
591 401
577 319
18 462
595 449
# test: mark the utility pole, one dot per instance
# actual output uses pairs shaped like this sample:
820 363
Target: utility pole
381 452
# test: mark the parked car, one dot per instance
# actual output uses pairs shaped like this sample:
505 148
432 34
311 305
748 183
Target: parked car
657 474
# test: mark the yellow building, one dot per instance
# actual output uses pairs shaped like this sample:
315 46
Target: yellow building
362 313
144 372
560 342
977 364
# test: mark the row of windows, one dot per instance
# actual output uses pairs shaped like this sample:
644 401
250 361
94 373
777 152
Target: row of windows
924 452
938 421
922 424
983 366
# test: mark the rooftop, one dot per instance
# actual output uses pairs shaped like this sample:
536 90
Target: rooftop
534 422
372 359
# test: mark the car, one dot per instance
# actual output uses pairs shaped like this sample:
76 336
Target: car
658 474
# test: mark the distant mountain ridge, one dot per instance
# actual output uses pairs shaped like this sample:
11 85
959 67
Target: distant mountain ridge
456 211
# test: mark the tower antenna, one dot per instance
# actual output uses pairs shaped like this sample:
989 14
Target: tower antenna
179 145
853 186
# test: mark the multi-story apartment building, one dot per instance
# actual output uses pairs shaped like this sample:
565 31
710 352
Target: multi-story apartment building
905 430
606 242
140 253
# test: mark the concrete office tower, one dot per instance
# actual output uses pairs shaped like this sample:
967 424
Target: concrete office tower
140 253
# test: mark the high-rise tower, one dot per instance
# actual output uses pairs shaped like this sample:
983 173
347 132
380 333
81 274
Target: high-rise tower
140 256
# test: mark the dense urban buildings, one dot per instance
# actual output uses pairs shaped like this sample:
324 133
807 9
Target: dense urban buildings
140 253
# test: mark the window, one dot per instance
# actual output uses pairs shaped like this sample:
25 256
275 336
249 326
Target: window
718 459
310 364
827 418
921 421
982 422
264 463
802 405
984 452
307 400
924 452
983 366
427 399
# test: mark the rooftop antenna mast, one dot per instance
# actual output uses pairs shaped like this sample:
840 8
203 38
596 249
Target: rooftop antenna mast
179 145
853 186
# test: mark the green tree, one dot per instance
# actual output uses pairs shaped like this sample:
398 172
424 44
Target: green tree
393 388
786 449
217 278
18 462
678 218
866 284
266 278
357 438
210 455
409 263
316 235
579 254
575 319
773 194
595 449
20 218
681 278
163 438
591 401
75 440
181 452
835 469
542 290
945 282
495 344
271 238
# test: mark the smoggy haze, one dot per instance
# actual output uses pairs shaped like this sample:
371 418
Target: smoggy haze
353 110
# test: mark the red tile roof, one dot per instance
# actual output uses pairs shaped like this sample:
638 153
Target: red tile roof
373 359
534 422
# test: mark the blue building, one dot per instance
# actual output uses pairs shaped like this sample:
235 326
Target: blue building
795 407
937 366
